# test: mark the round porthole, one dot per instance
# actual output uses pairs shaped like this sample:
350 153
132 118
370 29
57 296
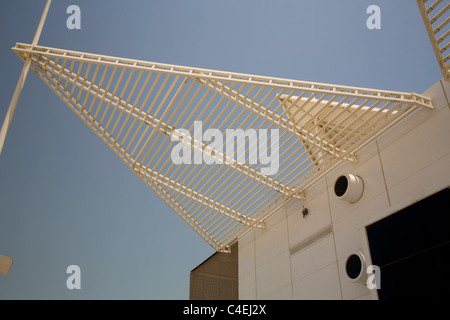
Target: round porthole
354 267
349 187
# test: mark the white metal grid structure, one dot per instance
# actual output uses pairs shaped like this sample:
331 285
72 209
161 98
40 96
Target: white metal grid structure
436 18
136 106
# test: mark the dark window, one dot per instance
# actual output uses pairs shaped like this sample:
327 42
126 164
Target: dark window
412 249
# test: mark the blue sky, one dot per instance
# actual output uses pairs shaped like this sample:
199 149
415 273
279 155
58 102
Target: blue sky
65 198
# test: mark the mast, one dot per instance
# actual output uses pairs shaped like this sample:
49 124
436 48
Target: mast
21 81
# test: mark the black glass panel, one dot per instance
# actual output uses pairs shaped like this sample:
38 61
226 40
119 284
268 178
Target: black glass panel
412 249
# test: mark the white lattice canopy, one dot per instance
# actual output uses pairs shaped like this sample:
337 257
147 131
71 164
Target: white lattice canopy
436 18
136 108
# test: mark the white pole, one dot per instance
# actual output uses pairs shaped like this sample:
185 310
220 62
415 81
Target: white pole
20 83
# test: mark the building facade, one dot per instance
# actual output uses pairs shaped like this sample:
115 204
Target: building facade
404 202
